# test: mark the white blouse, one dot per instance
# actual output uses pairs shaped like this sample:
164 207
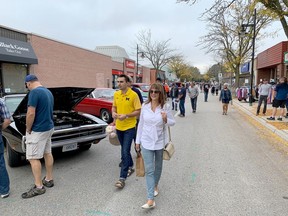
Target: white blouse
150 128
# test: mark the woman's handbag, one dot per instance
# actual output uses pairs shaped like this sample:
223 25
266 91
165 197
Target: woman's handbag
169 148
140 169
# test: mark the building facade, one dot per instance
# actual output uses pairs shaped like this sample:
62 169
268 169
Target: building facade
58 64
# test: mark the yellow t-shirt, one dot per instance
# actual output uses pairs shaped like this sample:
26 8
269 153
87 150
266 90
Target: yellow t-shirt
126 104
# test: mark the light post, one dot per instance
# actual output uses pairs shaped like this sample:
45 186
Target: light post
142 56
242 33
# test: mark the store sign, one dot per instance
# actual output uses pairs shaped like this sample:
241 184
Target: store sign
129 64
286 57
245 68
16 51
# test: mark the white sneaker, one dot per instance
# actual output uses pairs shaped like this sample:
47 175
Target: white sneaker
156 193
146 206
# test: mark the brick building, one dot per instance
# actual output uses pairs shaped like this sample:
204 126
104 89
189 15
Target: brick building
270 63
57 63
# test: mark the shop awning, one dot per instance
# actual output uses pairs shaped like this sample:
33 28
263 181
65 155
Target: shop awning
17 51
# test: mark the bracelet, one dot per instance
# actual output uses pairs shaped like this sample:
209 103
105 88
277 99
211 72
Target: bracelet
126 116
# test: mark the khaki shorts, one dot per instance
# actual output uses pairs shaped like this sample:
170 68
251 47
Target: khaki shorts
38 143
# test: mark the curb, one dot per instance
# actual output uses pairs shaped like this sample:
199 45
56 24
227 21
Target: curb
280 133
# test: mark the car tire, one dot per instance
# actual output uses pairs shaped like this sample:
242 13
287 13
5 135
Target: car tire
85 147
14 159
106 116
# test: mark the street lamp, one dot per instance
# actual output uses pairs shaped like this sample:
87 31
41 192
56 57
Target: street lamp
142 56
243 33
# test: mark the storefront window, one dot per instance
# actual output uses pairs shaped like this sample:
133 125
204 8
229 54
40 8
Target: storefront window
13 78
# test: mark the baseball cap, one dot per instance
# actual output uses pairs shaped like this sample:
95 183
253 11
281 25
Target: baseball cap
30 77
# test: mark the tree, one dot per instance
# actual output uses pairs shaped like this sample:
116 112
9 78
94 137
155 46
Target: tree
158 53
183 70
223 37
276 9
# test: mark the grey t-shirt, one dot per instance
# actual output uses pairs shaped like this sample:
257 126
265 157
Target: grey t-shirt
264 89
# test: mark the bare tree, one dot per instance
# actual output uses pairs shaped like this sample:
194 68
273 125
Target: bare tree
276 9
223 37
158 53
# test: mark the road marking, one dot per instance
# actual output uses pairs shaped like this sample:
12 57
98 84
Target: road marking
96 212
193 177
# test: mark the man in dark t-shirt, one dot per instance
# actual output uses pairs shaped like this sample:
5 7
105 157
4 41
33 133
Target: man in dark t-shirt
181 97
39 130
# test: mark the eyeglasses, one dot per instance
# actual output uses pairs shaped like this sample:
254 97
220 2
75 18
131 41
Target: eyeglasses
120 81
154 91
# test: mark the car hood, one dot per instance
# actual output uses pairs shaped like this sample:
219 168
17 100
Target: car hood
65 98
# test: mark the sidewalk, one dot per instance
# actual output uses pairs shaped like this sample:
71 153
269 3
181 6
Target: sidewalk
278 127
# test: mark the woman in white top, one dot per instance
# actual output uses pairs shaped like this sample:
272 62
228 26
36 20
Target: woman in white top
152 134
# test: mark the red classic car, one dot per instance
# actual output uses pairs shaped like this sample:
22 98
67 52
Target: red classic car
98 103
143 86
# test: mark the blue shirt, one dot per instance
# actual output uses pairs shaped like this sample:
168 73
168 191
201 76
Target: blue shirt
282 91
183 93
4 114
42 100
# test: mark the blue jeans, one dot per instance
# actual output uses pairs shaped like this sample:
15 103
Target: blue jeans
182 107
193 103
205 96
125 139
153 161
4 178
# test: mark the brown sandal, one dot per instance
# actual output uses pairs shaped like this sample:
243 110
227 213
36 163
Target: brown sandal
130 172
120 183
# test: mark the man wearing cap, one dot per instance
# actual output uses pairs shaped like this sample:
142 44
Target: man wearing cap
39 129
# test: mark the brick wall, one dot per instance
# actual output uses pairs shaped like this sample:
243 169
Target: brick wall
61 64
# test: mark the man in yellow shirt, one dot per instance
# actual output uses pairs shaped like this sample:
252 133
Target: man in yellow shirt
126 107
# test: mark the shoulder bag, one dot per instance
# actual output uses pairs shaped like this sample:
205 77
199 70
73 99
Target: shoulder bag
169 147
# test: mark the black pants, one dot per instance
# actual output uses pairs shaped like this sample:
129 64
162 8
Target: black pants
262 98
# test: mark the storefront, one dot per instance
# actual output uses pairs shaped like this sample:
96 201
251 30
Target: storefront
15 59
270 63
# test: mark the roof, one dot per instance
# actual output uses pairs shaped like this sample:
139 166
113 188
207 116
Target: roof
117 53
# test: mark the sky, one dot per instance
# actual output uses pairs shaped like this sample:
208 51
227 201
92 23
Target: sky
91 23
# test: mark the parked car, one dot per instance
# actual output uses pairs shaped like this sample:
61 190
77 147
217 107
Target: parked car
143 86
98 103
72 130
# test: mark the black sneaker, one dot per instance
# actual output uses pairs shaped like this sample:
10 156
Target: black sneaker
279 119
120 164
46 183
5 195
271 118
34 191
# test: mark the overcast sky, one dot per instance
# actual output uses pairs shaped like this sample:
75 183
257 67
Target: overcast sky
91 23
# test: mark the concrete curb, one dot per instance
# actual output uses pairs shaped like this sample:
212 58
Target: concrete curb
281 133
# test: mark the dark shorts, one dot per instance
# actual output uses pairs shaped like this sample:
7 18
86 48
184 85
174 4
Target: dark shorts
225 101
278 103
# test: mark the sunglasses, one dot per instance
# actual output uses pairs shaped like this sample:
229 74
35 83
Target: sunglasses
155 92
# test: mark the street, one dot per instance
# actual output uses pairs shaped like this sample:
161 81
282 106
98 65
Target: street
223 165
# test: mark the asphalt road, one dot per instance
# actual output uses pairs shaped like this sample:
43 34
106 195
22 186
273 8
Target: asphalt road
223 165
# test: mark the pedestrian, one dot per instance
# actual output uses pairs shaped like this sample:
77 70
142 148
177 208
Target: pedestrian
125 109
279 98
152 136
137 91
39 129
4 177
181 98
159 81
206 87
225 97
193 94
263 91
174 96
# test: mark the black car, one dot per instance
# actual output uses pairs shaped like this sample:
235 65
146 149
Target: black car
72 130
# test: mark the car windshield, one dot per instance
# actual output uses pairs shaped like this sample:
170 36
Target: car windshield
104 93
13 102
145 87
